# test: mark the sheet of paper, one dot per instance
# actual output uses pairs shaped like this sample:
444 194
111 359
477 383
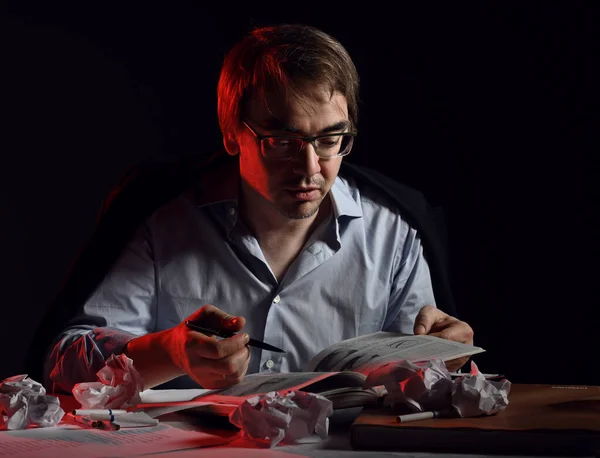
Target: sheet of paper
225 400
265 382
215 406
232 452
67 440
382 347
149 396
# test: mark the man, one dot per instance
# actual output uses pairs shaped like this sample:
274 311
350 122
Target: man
270 241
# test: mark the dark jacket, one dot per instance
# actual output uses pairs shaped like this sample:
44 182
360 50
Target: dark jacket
149 185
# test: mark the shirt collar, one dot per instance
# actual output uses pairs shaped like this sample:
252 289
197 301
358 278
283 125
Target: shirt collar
343 202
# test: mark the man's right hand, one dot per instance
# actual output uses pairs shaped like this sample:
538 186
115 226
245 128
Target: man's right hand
210 362
162 356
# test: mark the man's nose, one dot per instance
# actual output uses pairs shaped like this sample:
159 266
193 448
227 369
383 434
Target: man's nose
307 162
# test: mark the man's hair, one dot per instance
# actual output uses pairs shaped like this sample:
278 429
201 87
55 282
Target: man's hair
283 58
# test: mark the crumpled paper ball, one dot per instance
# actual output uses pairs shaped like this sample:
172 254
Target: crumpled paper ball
274 417
25 402
119 386
428 386
420 386
473 395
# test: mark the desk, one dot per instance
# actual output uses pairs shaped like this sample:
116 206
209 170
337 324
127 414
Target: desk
336 445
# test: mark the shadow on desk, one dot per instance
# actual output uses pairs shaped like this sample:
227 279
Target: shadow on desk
339 421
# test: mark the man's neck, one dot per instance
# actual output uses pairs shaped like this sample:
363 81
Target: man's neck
267 224
281 238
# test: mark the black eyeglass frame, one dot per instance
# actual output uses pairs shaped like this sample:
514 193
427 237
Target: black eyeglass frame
310 140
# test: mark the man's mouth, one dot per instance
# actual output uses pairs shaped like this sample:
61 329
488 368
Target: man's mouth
305 194
308 189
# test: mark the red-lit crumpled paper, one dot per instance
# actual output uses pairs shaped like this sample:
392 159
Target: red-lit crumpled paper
119 386
25 402
274 417
428 386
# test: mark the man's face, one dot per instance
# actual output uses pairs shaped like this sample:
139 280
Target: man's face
294 187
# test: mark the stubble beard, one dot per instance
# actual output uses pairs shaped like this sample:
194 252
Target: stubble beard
298 213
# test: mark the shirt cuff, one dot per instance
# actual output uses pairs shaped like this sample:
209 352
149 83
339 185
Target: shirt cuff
81 354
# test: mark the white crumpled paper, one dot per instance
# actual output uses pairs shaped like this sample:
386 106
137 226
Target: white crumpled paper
474 395
420 386
274 417
25 402
119 386
428 386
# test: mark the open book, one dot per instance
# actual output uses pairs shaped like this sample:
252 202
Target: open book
337 373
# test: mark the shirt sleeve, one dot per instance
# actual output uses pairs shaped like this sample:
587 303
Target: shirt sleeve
411 287
121 308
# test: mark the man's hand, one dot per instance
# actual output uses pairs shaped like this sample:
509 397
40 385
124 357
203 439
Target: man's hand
431 320
210 362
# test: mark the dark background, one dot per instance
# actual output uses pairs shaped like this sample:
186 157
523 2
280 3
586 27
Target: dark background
490 108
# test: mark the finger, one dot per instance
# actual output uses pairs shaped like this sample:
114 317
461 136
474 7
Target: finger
239 375
227 371
234 324
457 330
220 381
215 318
230 366
219 349
426 318
455 364
439 326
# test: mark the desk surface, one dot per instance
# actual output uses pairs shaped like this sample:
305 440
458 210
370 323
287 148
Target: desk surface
337 444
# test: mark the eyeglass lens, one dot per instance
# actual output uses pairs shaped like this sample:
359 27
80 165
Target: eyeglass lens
328 146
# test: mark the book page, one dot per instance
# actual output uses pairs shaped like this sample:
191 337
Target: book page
221 401
174 395
251 384
264 382
344 389
382 347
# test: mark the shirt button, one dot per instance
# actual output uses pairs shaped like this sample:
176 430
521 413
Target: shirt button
232 211
269 364
277 299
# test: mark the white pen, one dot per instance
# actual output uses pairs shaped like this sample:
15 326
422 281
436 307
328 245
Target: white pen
126 419
98 411
420 416
487 376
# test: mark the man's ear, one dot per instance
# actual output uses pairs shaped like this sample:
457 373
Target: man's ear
231 145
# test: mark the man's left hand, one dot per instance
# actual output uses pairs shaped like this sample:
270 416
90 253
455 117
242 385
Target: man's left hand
432 321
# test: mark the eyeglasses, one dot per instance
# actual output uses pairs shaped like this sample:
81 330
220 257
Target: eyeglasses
327 146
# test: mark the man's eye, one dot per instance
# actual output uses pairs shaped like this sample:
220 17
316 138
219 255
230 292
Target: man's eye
281 142
329 141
